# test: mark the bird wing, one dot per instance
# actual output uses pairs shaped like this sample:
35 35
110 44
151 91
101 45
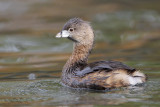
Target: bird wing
106 66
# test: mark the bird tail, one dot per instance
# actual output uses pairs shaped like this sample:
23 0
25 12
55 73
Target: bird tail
137 78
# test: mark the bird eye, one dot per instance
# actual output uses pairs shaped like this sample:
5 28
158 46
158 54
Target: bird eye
71 29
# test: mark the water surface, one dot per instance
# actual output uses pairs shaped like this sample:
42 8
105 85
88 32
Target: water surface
31 58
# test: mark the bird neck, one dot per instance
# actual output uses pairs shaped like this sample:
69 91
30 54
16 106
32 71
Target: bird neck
79 57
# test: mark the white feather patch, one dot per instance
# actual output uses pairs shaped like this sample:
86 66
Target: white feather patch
135 80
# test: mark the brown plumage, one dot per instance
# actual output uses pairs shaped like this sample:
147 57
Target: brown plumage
77 73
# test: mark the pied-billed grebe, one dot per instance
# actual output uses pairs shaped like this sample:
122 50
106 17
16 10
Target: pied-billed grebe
77 73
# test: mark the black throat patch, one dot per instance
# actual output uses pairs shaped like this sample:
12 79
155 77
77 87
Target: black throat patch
72 39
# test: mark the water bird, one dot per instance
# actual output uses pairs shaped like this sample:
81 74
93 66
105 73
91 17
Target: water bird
100 75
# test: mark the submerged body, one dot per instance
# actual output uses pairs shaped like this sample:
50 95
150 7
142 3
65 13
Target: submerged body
77 73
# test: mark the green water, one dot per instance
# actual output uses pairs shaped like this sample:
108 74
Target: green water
31 58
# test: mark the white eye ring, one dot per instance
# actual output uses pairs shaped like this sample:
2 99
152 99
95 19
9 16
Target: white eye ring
71 29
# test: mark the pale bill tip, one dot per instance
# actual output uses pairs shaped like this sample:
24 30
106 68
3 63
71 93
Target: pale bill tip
58 35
